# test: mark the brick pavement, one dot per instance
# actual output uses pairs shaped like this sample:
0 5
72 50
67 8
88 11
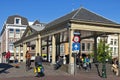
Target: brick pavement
50 74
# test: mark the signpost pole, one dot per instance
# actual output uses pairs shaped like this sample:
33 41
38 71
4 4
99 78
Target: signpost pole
75 54
75 49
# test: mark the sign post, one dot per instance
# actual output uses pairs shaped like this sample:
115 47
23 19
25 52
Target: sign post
75 49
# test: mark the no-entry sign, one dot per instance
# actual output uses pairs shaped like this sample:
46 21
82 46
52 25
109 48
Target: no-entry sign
76 38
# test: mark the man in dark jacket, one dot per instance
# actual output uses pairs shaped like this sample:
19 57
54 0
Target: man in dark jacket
38 60
38 63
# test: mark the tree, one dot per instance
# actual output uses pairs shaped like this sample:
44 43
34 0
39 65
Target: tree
100 51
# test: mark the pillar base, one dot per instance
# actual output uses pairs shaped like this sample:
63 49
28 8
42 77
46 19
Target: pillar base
71 68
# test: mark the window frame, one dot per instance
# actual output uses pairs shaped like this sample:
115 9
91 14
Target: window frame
17 22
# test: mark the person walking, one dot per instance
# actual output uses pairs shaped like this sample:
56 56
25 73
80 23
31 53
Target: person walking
7 56
38 65
38 60
87 62
16 62
80 62
28 60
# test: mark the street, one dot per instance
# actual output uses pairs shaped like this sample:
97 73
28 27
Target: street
12 73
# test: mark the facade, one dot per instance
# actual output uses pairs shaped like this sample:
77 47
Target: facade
12 31
112 41
33 27
87 46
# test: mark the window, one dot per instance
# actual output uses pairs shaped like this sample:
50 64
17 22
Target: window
115 50
21 54
17 21
17 49
11 30
43 48
11 47
32 47
115 42
17 33
111 42
11 33
88 46
61 48
83 46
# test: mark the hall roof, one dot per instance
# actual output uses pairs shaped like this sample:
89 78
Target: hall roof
81 14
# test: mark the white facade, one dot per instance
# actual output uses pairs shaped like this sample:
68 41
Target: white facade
12 31
112 40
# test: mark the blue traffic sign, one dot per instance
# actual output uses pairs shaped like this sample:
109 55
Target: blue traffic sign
75 46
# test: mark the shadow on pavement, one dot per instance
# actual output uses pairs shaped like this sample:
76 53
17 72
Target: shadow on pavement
4 67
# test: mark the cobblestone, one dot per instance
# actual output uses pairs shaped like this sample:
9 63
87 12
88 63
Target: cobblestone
50 74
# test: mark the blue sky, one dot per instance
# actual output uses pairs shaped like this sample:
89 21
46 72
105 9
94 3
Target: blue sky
48 10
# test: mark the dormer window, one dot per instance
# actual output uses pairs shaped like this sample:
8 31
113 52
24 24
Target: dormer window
17 21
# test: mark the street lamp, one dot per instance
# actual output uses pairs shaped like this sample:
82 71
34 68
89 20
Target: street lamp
104 37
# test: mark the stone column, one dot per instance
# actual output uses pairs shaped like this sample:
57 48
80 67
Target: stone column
14 51
19 54
24 51
53 49
95 48
71 59
119 49
37 46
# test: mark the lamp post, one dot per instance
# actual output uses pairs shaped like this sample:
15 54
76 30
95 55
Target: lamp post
104 59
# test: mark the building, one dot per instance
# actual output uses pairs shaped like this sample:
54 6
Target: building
60 33
12 31
113 42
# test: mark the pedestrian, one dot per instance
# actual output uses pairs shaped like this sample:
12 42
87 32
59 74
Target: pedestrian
58 63
87 62
38 66
38 60
80 62
114 67
28 60
16 62
7 56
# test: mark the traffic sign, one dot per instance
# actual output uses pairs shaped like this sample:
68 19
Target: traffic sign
75 46
76 38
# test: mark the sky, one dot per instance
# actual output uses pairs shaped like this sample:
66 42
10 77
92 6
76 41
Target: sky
48 10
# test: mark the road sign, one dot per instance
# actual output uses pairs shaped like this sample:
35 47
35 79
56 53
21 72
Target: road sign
75 47
76 38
